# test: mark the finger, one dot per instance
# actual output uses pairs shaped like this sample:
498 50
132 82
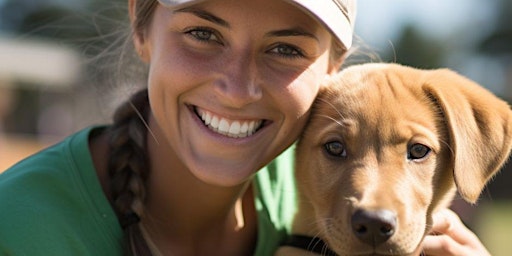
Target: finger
443 220
454 237
448 223
442 245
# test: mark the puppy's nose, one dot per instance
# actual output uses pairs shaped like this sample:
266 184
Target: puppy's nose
373 227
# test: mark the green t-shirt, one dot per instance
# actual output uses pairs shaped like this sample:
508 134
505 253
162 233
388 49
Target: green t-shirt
52 204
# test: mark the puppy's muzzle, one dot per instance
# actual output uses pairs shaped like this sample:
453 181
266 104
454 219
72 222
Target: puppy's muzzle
373 227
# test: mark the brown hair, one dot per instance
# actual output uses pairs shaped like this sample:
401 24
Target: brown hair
129 166
128 162
144 10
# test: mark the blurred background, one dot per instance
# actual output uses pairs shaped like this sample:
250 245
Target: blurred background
59 71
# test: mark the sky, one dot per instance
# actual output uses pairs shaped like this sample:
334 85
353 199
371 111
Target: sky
439 18
461 24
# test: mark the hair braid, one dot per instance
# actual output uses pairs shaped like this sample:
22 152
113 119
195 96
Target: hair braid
129 167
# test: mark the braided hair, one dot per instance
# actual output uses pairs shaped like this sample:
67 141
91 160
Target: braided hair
128 167
128 164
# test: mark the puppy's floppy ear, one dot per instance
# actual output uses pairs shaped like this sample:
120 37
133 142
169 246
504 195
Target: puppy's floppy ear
479 126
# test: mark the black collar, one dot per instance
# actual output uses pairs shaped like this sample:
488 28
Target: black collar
312 244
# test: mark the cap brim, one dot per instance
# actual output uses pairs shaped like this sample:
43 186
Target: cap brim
332 16
327 12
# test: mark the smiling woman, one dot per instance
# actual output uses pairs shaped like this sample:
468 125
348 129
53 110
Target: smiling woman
237 70
196 163
186 166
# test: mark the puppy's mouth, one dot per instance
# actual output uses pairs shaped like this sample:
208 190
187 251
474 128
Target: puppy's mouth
228 127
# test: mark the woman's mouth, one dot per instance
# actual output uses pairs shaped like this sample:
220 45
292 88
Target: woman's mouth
228 127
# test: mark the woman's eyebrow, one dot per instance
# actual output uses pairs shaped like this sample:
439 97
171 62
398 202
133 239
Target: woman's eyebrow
291 32
204 15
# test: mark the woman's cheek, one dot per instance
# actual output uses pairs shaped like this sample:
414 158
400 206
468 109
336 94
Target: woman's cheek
305 89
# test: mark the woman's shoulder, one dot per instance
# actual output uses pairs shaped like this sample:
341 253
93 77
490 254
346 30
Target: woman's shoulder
53 196
275 187
43 167
275 201
278 176
281 168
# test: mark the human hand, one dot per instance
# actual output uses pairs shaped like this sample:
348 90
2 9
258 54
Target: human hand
452 237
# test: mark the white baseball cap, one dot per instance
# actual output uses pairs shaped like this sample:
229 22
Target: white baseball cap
337 15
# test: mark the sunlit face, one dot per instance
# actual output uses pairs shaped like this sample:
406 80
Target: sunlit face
231 82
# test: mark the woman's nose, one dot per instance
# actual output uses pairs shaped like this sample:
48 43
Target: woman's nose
239 84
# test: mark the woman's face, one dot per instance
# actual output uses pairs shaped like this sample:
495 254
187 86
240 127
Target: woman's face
231 82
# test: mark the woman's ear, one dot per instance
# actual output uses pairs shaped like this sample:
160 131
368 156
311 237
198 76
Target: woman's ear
138 36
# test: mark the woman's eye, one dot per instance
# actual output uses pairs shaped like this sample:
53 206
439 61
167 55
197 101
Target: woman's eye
203 34
335 148
287 51
417 151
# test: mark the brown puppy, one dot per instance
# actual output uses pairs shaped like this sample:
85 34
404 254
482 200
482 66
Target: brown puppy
386 146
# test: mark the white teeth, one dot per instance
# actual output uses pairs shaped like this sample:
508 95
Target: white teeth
251 127
207 118
235 128
231 128
244 128
215 122
223 126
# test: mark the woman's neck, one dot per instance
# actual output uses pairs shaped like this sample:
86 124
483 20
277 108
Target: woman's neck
183 211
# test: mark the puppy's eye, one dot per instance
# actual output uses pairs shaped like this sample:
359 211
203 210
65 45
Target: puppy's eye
335 148
417 151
